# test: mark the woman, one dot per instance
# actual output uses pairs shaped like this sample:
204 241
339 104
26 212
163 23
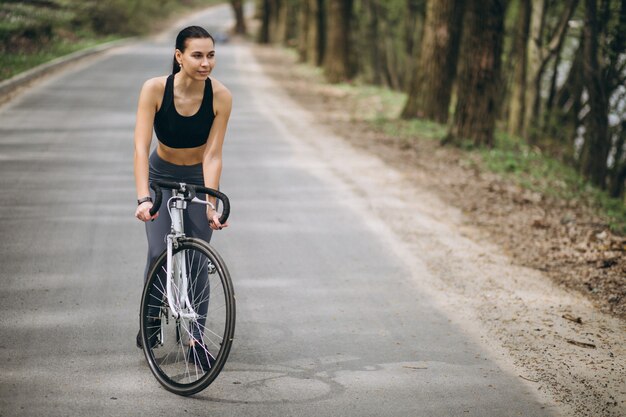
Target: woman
189 112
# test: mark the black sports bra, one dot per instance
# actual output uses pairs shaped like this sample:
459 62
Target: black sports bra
178 131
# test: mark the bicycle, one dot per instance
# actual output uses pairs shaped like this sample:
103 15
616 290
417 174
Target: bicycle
187 313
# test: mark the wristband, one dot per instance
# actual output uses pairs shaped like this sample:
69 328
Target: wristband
143 200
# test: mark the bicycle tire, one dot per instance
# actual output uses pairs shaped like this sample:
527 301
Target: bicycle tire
177 366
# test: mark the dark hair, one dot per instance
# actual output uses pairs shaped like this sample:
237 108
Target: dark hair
190 32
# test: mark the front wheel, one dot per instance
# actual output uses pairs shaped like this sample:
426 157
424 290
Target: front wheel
186 354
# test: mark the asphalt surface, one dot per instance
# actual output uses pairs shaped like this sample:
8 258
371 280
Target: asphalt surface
329 321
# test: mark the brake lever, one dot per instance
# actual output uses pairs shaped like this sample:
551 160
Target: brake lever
206 203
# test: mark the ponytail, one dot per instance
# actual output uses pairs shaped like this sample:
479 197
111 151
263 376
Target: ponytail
175 66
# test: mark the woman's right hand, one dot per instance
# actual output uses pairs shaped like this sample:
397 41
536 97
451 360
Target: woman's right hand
143 212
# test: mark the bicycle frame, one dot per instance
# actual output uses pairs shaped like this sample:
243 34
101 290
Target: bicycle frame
180 305
177 274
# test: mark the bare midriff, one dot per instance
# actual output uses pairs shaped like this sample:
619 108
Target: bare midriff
183 156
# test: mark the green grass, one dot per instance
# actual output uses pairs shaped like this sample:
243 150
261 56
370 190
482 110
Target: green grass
410 130
382 106
377 102
529 167
12 64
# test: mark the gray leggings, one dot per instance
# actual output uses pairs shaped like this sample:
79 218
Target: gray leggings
195 220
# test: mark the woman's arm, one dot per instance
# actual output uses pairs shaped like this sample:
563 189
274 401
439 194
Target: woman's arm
146 109
212 158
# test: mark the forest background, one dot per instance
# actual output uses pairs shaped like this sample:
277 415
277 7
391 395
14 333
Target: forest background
526 78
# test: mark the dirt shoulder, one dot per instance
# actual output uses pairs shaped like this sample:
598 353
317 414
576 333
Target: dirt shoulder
539 280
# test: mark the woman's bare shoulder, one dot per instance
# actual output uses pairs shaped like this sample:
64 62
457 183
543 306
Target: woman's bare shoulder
220 90
155 85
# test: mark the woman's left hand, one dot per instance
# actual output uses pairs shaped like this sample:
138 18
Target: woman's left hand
214 219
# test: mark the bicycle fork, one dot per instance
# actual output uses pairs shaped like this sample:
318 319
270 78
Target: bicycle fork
177 274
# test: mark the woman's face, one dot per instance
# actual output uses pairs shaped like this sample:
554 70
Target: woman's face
198 59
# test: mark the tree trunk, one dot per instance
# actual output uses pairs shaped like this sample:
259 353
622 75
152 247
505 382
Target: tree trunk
618 174
314 36
282 25
534 71
275 7
264 32
478 81
292 17
413 34
615 78
517 104
240 21
393 67
553 82
564 117
387 55
414 25
431 90
369 43
337 57
572 88
617 181
303 30
595 150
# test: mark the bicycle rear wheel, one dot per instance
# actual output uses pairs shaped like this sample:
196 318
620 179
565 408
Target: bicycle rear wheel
186 355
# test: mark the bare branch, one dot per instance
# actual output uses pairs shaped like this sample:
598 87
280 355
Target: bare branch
559 34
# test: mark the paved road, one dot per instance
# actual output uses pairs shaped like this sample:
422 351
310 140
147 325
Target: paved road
329 322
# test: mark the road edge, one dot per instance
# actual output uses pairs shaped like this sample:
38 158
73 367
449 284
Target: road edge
9 87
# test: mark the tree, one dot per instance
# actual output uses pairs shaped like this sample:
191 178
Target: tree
601 79
265 12
430 92
596 147
337 58
303 30
369 63
479 73
539 54
618 172
565 78
274 15
312 19
564 113
517 106
616 80
240 21
281 16
414 27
